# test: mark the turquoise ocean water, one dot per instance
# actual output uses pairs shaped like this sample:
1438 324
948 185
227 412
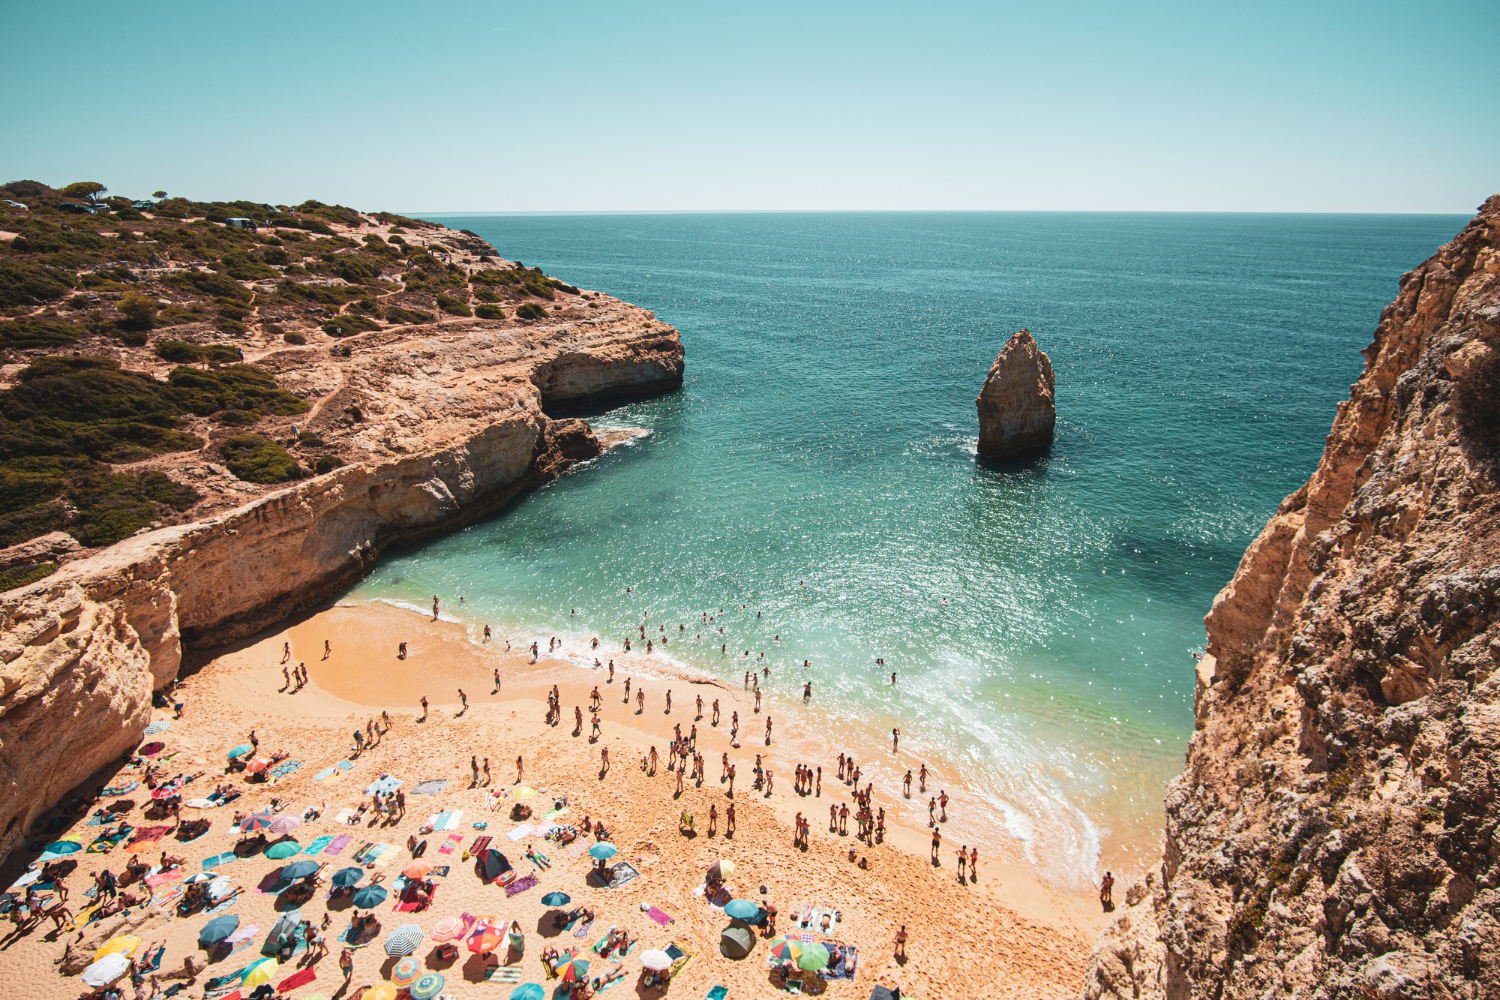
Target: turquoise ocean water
818 466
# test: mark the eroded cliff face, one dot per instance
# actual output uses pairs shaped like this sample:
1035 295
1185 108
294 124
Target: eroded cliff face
1016 410
446 425
1335 830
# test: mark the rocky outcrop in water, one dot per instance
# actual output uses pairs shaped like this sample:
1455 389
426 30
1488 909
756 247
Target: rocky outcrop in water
443 425
1336 830
1016 411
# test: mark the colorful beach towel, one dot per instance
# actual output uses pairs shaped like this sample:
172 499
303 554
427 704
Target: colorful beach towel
520 885
325 774
508 975
848 962
480 843
413 906
380 856
340 842
366 848
452 842
318 844
659 916
107 842
163 878
577 850
285 768
124 789
168 897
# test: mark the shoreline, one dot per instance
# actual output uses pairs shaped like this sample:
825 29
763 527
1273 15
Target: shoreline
448 654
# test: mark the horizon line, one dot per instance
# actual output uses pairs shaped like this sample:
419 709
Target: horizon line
912 211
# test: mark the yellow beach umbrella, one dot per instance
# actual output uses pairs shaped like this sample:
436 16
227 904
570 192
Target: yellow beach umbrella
261 972
381 991
125 944
524 792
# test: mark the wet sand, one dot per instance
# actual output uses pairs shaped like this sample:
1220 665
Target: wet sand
1007 935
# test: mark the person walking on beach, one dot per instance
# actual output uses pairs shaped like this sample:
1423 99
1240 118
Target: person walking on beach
807 692
895 741
520 769
731 780
669 702
757 699
901 944
474 770
401 651
486 633
595 700
486 770
627 689
424 709
652 769
716 712
819 793
286 651
534 652
963 862
937 844
327 649
700 709
286 679
833 818
932 813
640 701
497 680
603 757
844 820
434 607
713 818
906 784
1106 892
611 672
463 699
922 780
768 730
729 821
595 734
943 807
974 864
769 778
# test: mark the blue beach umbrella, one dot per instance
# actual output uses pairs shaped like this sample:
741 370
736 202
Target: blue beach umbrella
299 869
603 850
370 897
218 929
556 899
240 751
61 847
527 991
345 877
742 909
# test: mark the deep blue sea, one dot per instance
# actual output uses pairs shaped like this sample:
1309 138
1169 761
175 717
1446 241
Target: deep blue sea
818 467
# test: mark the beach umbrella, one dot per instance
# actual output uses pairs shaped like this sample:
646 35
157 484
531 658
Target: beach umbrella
240 751
201 804
370 897
299 869
556 899
257 821
573 968
381 991
283 850
125 944
403 940
262 971
166 791
345 877
524 792
486 936
656 960
406 971
785 949
603 850
736 942
814 957
106 970
742 909
721 869
429 985
449 929
258 764
159 726
526 991
61 847
279 931
417 869
285 824
197 877
218 929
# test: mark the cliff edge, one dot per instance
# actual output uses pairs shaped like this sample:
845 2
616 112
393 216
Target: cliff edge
1335 831
1016 411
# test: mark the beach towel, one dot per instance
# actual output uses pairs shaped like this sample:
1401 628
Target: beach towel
106 842
285 768
318 844
621 873
847 965
521 832
506 974
440 870
169 897
684 959
452 841
359 855
100 819
520 885
577 850
480 843
584 927
346 937
659 916
124 789
379 856
383 786
599 947
413 906
718 993
433 787
344 765
454 820
226 981
148 833
162 879
325 774
296 979
340 842
222 906
242 934
219 859
344 816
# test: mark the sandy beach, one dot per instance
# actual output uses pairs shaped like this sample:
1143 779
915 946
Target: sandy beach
1004 935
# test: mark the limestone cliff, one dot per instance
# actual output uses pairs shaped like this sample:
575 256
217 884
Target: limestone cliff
1016 411
437 425
1336 831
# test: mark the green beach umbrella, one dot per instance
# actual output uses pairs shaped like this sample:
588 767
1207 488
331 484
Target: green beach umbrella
285 849
814 957
428 986
370 897
345 877
527 991
603 850
299 869
556 899
240 751
218 929
61 847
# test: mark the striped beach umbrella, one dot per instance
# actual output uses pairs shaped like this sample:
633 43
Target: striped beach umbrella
159 726
259 972
258 821
573 968
285 824
403 940
406 971
785 949
656 960
449 929
429 985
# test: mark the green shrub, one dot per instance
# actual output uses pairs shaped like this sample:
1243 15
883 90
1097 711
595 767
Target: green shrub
213 283
396 314
233 327
243 267
34 332
233 387
20 576
23 284
183 353
327 463
453 306
256 459
309 439
348 324
489 311
530 310
293 337
139 310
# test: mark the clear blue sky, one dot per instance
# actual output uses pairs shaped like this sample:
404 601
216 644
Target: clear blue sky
616 106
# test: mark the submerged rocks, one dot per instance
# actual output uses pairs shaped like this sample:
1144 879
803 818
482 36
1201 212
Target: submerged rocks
1016 411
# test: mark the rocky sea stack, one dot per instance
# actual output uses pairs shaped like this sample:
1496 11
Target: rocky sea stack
1016 411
